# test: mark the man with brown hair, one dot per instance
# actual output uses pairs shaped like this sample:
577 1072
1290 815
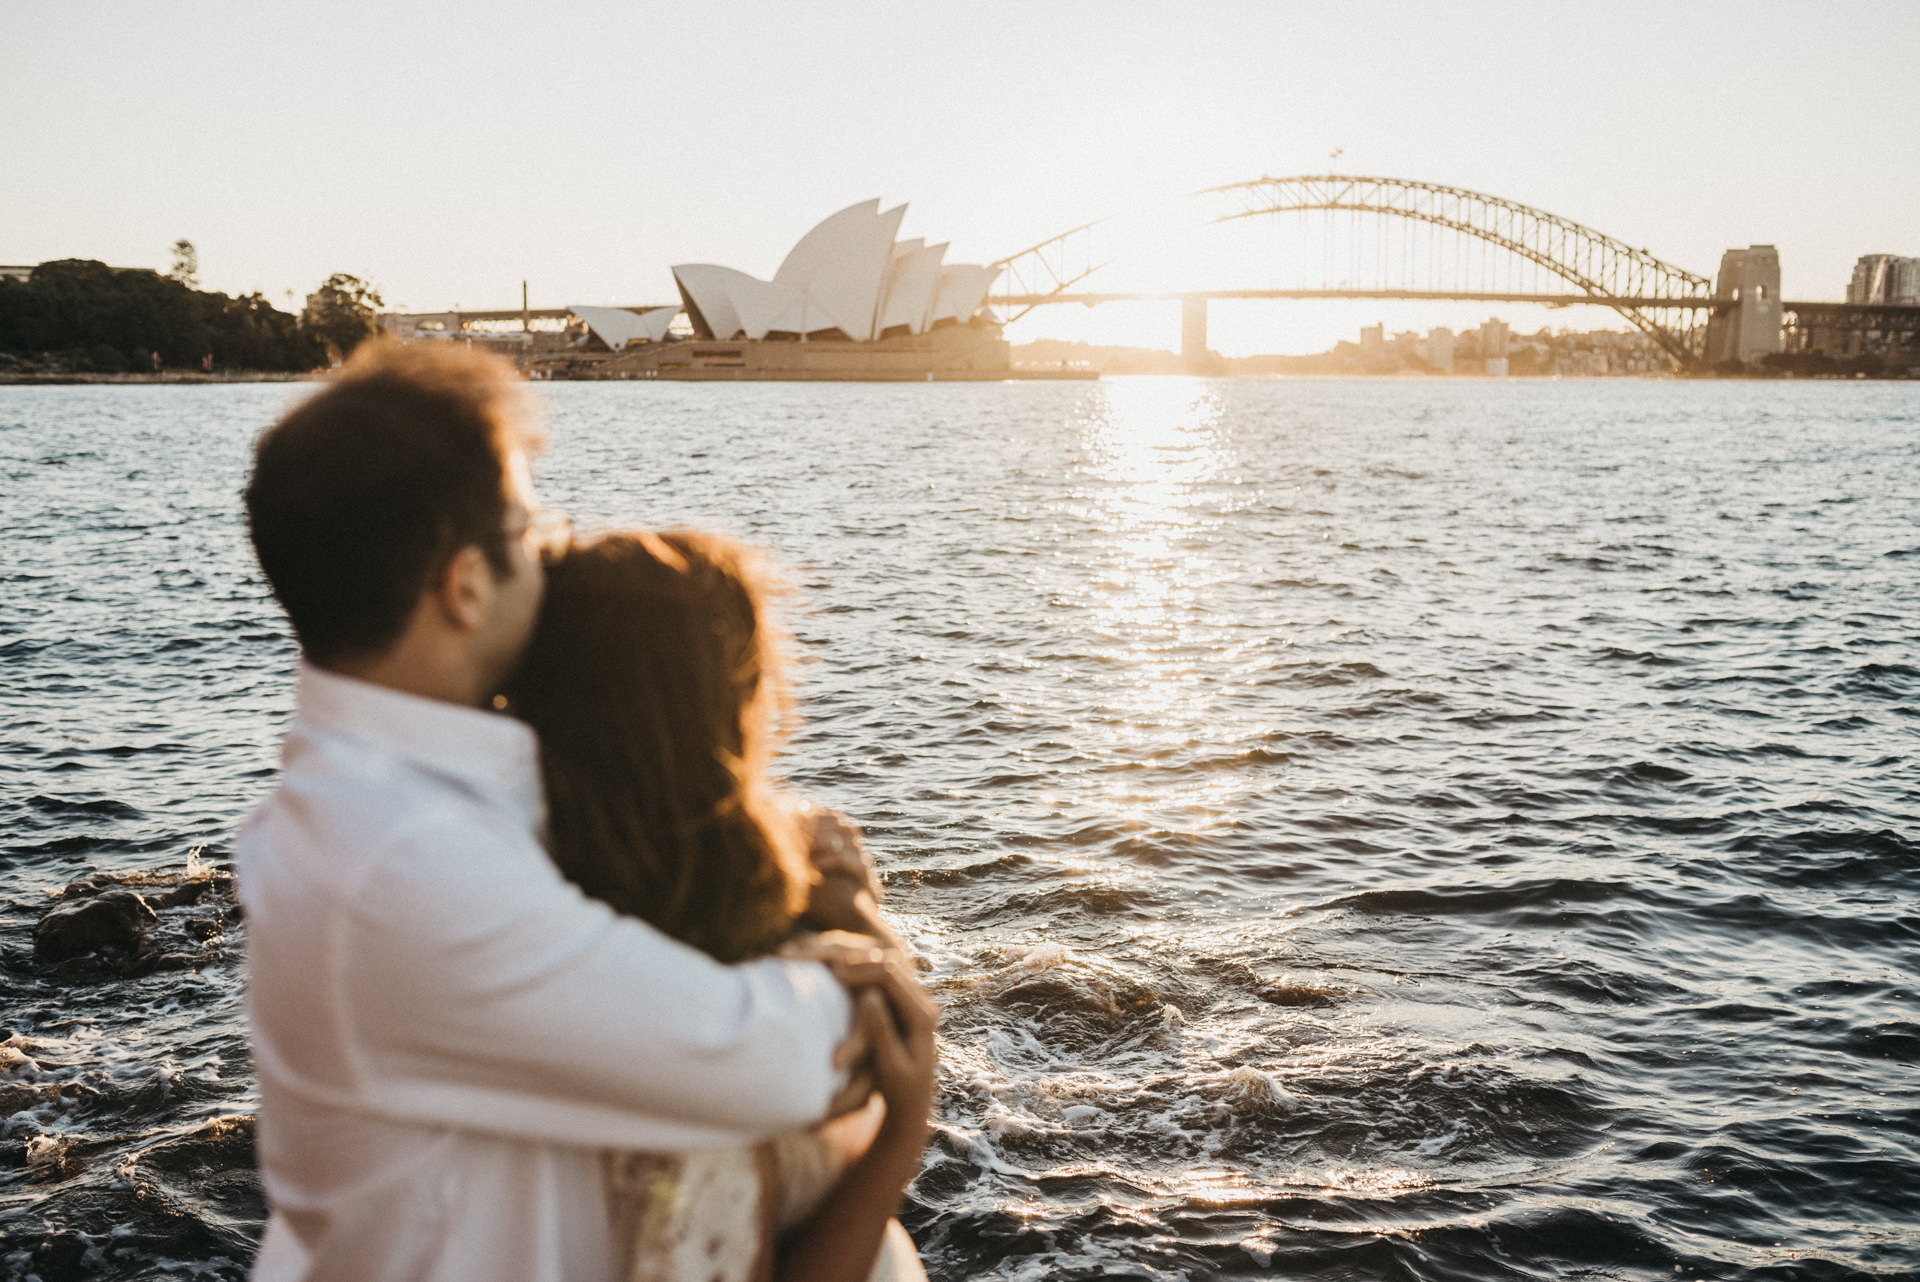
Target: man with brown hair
444 1029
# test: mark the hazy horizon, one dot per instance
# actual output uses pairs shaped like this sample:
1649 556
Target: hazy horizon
447 159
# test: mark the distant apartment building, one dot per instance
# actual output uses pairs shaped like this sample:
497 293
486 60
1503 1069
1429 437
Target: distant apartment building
1378 354
1494 350
1495 338
1885 278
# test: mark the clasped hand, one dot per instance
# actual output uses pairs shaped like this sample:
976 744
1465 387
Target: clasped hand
891 1047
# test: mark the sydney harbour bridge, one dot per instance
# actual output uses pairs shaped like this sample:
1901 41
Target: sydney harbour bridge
1396 238
1339 236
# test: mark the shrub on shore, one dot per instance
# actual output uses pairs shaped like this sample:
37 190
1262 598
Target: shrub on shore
86 316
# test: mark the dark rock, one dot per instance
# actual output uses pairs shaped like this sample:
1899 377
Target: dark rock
114 920
129 924
187 892
1281 993
59 1257
206 1176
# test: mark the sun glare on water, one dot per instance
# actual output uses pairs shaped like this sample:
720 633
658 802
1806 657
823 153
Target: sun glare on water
1155 458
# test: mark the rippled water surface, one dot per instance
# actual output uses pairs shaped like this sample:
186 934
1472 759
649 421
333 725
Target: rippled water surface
1358 830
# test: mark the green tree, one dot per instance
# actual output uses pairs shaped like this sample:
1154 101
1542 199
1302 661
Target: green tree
81 314
186 264
341 313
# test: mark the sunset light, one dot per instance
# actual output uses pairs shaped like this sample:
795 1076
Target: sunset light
1012 642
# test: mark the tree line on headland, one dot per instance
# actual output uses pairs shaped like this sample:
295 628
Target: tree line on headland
76 315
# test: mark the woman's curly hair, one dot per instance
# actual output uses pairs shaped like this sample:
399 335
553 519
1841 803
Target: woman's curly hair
656 683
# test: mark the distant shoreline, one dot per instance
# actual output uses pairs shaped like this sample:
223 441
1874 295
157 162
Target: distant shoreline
165 376
192 377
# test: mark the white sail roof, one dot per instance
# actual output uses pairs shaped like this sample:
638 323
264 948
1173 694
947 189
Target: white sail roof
659 320
963 287
846 274
847 285
804 261
616 326
913 279
705 287
765 305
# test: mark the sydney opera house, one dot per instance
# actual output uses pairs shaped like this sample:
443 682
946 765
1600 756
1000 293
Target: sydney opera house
849 301
848 278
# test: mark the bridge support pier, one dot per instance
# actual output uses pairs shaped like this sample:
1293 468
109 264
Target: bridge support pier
1193 333
1750 329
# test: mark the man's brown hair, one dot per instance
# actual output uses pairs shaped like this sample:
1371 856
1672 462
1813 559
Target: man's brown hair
654 681
362 493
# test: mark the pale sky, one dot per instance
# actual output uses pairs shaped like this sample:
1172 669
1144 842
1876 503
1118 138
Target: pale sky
447 151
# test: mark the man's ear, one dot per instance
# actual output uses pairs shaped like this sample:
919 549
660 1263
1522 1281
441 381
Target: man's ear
465 591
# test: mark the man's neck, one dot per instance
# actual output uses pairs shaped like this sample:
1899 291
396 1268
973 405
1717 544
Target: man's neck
415 669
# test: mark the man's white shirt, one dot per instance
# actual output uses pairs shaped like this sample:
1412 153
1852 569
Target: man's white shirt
446 1032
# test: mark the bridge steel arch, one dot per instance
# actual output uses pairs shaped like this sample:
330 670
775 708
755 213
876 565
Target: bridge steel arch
1594 263
1050 268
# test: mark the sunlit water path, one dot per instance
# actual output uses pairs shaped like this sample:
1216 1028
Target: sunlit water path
1357 829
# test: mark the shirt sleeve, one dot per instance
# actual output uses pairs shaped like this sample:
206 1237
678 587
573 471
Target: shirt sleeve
482 990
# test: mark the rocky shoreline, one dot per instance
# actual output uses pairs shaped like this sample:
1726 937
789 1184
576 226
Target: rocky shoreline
132 1152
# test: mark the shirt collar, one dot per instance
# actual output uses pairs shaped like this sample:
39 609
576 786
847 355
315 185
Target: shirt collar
491 755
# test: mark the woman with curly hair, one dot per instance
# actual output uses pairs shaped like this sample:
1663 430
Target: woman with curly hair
655 680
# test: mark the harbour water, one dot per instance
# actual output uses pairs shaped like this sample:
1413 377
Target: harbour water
1395 829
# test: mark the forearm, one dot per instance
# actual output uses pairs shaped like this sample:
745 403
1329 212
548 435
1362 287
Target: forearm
558 1021
841 1240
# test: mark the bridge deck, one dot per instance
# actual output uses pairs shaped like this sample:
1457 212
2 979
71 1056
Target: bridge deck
1549 300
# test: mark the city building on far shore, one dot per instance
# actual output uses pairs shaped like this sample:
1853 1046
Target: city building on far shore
1495 339
1885 279
1565 353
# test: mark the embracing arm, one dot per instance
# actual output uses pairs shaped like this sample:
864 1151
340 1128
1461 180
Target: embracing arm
484 991
842 1237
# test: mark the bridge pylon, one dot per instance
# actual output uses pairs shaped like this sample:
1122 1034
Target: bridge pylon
1193 333
1748 330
